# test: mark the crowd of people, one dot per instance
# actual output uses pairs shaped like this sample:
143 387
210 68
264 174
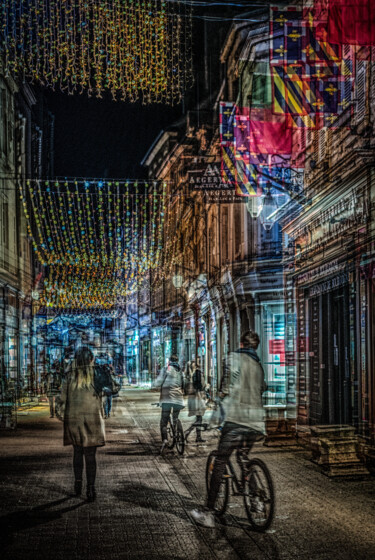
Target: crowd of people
84 404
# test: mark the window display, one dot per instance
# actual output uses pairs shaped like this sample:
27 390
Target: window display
273 354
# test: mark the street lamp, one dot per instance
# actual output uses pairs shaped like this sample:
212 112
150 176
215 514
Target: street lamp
177 281
254 206
267 214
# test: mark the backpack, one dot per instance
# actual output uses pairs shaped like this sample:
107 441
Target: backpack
104 380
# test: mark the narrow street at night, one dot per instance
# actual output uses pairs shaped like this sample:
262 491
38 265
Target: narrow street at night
187 279
144 499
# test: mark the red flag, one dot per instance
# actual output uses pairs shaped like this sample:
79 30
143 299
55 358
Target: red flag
349 22
269 133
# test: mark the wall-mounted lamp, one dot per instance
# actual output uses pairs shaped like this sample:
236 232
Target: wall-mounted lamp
254 206
268 212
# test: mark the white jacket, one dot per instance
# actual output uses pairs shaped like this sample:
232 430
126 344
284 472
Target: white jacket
170 381
245 386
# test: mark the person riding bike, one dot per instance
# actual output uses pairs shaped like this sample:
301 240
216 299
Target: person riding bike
242 388
170 381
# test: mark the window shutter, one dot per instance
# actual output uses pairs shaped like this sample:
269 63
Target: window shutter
322 144
360 91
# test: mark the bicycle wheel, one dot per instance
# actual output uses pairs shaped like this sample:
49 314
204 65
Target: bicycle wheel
258 495
170 435
223 494
180 439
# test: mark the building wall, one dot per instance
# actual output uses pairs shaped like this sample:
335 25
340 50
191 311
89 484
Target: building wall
21 156
331 270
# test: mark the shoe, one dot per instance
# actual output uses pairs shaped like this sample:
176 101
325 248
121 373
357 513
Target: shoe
78 487
163 445
52 416
205 518
258 506
91 494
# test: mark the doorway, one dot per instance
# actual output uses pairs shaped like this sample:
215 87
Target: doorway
330 378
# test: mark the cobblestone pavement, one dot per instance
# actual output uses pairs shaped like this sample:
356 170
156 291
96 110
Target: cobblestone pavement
142 509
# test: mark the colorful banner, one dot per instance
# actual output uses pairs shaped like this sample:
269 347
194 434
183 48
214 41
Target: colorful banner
310 77
227 123
344 22
228 164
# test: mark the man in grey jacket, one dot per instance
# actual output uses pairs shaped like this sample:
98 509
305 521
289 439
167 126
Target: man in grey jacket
243 386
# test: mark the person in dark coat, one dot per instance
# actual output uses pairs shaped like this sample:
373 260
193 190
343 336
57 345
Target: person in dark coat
53 390
196 404
83 418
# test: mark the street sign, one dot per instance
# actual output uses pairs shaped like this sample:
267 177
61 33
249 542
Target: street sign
208 178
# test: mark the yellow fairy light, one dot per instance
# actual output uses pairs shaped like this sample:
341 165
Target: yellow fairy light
135 49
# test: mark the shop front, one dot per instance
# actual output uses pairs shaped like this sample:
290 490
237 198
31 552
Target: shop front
188 339
201 351
272 354
132 364
212 355
157 357
145 375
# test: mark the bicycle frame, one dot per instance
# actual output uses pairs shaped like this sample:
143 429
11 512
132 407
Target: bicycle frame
203 426
241 458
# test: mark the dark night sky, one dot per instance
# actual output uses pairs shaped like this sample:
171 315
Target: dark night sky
103 138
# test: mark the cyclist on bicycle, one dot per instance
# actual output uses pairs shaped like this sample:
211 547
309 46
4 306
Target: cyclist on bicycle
242 386
170 381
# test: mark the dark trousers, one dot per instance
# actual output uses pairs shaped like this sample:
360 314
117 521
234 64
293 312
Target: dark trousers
90 460
198 421
166 409
51 400
232 436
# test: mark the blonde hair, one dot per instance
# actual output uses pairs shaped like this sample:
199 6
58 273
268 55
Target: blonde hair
82 374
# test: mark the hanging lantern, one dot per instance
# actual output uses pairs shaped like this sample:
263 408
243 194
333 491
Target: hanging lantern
269 206
254 206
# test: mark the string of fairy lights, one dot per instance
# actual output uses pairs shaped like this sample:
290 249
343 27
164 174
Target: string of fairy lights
98 241
134 49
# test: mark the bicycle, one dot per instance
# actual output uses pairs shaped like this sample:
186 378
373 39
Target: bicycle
175 435
203 427
255 485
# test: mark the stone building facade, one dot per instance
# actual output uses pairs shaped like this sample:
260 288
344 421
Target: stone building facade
26 133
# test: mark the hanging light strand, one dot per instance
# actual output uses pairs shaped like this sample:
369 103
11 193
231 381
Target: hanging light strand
134 49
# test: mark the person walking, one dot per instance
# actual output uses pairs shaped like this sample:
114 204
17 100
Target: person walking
83 419
104 362
196 404
170 382
242 388
53 388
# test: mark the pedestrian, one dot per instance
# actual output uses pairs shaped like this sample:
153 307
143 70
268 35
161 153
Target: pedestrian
53 390
104 361
242 388
196 404
83 419
170 381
